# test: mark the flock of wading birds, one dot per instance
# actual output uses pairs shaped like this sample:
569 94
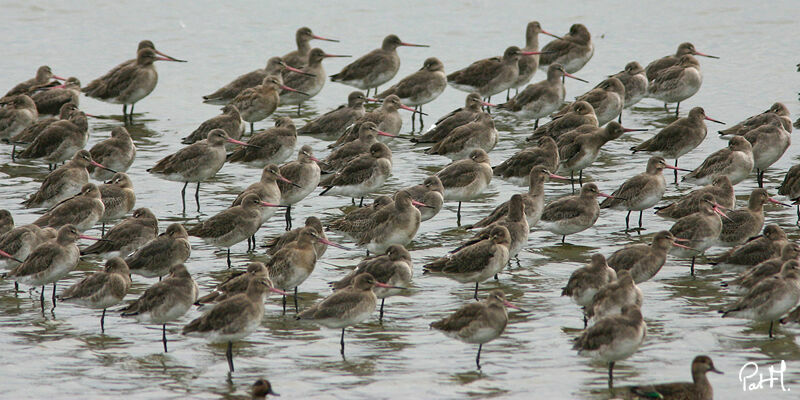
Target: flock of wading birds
359 164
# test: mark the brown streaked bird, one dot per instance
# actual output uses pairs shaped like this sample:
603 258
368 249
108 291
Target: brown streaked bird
21 241
542 98
490 76
229 121
156 257
466 179
275 244
333 123
355 221
304 175
346 307
374 68
272 146
290 266
676 83
165 301
430 193
769 143
397 223
101 290
259 102
59 141
699 230
117 152
766 269
16 114
770 299
734 161
118 197
130 81
43 75
611 298
517 168
266 189
757 250
640 192
641 260
678 138
573 50
81 211
516 223
607 99
307 84
340 156
479 322
477 262
299 58
50 100
720 189
360 176
572 214
460 142
613 338
234 318
454 119
580 113
29 134
233 225
699 389
745 223
777 112
6 222
533 199
386 118
635 81
261 388
63 183
236 283
50 261
586 281
225 94
393 268
791 186
528 64
196 162
127 236
420 88
663 63
580 147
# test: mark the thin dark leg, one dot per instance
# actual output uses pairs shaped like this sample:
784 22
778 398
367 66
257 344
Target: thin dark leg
676 171
640 219
342 343
760 178
508 94
489 100
580 177
103 322
678 107
380 315
164 336
478 358
798 213
518 263
41 297
229 258
251 129
627 217
125 114
495 275
54 294
536 124
611 375
16 287
197 196
254 242
420 118
692 266
284 304
229 356
572 180
13 151
248 244
298 109
770 328
288 216
183 196
296 307
130 114
620 117
476 291
458 214
585 321
666 108
361 203
352 200
413 118
103 230
563 238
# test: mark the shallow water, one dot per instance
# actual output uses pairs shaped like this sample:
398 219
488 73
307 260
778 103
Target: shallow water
61 352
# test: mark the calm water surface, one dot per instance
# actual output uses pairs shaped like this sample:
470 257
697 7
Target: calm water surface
62 353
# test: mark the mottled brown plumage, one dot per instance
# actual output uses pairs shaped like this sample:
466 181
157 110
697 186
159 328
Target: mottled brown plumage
82 210
157 256
271 146
229 121
127 236
333 123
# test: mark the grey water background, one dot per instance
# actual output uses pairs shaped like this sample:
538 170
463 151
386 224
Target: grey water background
62 354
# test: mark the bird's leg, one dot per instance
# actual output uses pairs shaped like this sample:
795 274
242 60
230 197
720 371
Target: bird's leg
611 375
13 151
585 321
413 119
352 200
130 114
563 238
676 171
288 215
620 117
770 328
572 180
627 216
475 296
692 268
197 196
296 307
760 177
251 129
677 107
666 108
518 263
489 110
298 109
361 203
640 219
478 358
495 275
164 336
183 196
125 114
41 298
54 294
284 304
103 321
248 244
580 177
536 124
508 94
103 230
380 315
420 119
229 258
229 355
342 343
